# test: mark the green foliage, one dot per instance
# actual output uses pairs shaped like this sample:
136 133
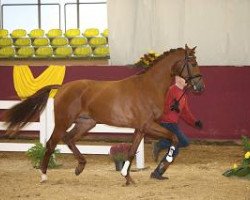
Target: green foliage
243 170
245 143
36 154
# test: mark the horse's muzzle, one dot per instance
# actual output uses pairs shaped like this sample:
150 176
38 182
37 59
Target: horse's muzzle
198 88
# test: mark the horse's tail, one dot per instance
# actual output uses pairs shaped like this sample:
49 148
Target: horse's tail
19 115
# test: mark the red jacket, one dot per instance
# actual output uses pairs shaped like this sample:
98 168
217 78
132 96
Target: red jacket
172 116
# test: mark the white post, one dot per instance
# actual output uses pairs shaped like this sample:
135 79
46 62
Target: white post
42 124
140 155
47 122
50 121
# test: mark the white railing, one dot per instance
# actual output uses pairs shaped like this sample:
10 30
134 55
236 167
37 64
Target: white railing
45 128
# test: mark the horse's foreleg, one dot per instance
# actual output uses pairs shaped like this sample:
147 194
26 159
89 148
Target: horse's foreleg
82 126
158 131
50 147
138 135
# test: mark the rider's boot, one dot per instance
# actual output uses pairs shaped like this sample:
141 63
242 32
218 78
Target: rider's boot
163 165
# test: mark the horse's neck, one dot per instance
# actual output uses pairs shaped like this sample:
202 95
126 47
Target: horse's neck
160 74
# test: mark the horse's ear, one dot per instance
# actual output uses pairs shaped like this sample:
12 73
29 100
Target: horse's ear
193 49
186 46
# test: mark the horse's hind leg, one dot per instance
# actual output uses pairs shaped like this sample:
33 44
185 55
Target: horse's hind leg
50 147
82 126
137 137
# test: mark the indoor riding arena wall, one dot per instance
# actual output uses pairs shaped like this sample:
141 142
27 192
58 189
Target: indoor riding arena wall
224 106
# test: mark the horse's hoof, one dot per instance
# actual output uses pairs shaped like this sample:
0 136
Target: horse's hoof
44 178
79 169
129 181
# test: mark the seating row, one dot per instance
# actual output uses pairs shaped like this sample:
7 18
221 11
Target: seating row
58 52
35 33
55 42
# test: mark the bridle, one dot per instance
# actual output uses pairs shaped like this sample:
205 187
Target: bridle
187 65
188 79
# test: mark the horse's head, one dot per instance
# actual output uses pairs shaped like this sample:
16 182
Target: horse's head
187 68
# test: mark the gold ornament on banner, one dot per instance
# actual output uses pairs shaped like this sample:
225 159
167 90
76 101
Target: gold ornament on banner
25 84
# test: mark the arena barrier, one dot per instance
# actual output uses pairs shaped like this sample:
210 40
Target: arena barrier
45 127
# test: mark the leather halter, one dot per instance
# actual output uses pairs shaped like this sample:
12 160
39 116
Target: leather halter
187 65
175 105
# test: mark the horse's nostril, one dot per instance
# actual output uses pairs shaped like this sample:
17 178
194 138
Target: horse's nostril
201 88
198 88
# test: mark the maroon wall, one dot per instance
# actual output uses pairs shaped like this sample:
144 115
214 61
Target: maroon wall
224 106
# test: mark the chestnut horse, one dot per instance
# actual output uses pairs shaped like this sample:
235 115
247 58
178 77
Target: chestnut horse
135 102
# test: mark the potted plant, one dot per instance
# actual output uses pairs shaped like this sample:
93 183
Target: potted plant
119 154
243 169
36 154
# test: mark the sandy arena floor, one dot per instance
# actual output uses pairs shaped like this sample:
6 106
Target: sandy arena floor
195 175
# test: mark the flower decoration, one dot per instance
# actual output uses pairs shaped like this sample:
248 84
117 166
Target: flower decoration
119 152
247 155
235 166
242 170
147 59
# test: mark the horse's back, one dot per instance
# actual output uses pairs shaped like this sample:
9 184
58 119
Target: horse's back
118 103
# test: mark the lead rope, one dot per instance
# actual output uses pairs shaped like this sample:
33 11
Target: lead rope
176 103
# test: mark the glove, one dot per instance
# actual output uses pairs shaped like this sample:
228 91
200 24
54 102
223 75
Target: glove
198 124
175 106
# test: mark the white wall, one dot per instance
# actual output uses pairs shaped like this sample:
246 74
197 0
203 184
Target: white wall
219 28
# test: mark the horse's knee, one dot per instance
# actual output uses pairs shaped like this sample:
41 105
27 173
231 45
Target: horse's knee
50 146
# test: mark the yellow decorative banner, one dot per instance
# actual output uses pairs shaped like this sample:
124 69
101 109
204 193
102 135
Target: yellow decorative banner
25 84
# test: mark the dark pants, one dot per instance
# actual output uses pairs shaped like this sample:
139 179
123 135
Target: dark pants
165 143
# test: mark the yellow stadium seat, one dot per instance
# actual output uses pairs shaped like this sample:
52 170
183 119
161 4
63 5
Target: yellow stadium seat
7 52
78 41
44 52
4 33
97 41
35 33
65 51
83 51
54 33
105 33
59 41
91 32
25 52
6 42
22 42
101 51
38 42
18 33
70 33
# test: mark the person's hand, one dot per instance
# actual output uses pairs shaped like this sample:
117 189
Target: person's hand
198 124
175 106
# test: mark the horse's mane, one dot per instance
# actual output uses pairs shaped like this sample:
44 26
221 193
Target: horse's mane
159 58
